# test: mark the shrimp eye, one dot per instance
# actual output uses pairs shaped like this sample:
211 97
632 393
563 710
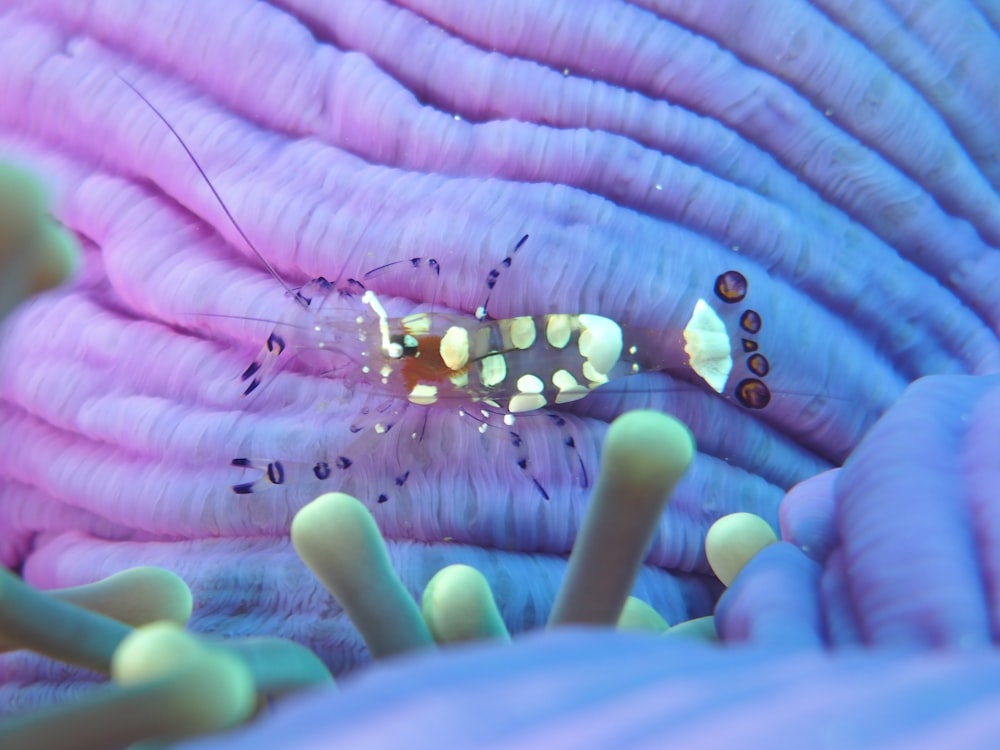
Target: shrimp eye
409 344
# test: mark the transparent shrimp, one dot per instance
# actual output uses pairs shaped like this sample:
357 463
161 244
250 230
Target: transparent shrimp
506 367
490 368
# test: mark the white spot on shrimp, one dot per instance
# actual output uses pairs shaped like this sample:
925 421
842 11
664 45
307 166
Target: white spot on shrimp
419 324
493 370
590 373
526 402
708 347
600 342
455 348
530 396
558 329
522 332
569 388
530 384
423 394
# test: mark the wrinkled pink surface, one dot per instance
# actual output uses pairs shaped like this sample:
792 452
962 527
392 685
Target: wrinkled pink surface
843 158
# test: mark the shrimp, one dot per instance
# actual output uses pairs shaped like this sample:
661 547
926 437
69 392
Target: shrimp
523 363
493 367
510 365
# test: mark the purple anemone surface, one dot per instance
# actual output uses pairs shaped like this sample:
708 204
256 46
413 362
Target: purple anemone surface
842 157
899 548
601 690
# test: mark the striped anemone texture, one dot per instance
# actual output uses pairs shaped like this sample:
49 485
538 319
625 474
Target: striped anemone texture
841 157
592 690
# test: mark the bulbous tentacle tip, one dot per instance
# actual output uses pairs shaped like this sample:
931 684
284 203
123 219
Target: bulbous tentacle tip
167 686
84 624
151 651
336 536
733 540
645 454
34 620
646 449
458 605
36 251
135 596
192 688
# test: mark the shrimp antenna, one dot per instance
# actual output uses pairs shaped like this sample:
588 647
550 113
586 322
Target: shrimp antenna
431 263
218 198
491 279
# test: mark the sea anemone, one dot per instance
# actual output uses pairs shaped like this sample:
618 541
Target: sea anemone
172 685
840 158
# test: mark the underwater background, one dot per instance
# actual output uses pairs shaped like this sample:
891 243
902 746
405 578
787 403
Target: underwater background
842 157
